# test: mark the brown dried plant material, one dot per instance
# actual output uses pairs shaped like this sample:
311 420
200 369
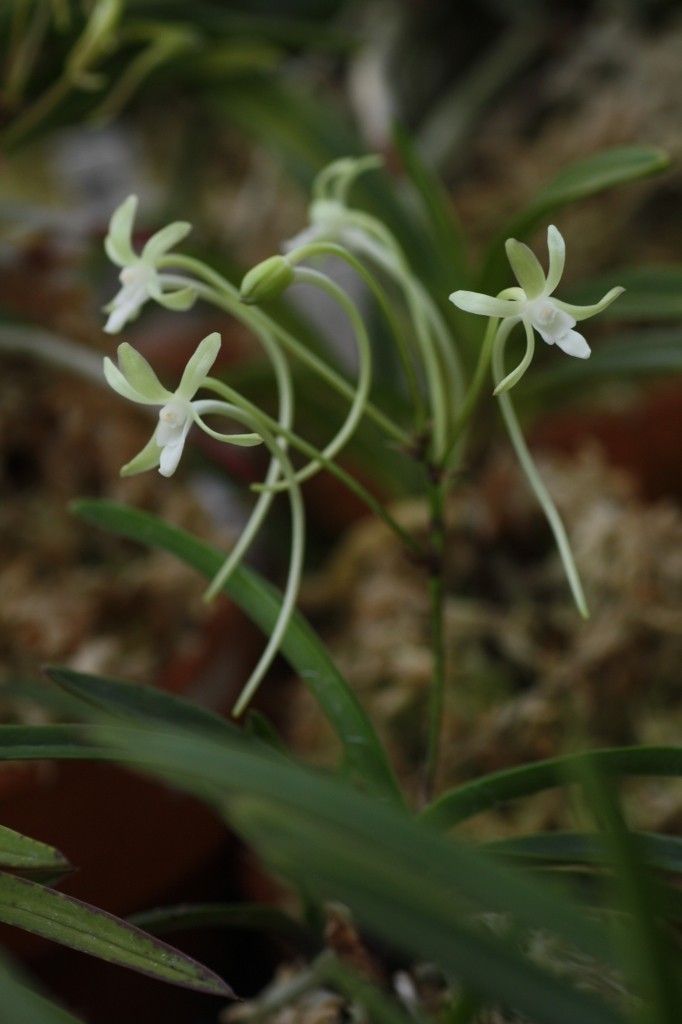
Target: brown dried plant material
606 84
69 593
528 678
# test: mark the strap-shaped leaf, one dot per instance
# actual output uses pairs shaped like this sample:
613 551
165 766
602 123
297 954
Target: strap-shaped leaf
250 916
47 742
66 920
29 856
134 700
580 180
637 353
509 784
659 851
651 293
21 1005
364 755
405 883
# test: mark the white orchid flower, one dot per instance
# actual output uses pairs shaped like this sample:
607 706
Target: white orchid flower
533 303
329 217
135 379
140 277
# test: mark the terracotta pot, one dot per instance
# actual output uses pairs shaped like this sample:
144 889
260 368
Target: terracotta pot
120 831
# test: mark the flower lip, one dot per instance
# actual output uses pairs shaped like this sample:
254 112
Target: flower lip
548 319
173 419
138 273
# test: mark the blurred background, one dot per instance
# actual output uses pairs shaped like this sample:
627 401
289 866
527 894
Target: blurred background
221 113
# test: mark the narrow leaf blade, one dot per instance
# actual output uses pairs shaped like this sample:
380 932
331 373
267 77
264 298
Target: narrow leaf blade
29 856
364 755
480 795
66 920
585 178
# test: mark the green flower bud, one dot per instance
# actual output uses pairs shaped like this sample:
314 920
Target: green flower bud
267 280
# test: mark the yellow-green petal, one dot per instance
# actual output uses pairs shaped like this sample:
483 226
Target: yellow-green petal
141 376
526 267
118 242
199 365
146 459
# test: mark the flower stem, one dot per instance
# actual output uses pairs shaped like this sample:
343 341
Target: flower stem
333 249
226 296
534 478
313 277
303 446
240 410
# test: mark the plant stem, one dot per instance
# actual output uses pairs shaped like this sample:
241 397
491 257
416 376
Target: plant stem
256 319
534 479
437 598
307 449
340 252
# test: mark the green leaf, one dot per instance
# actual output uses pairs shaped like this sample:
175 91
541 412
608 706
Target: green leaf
252 916
403 882
649 956
661 852
29 856
66 920
651 293
47 742
21 1005
364 755
580 180
134 700
511 783
638 354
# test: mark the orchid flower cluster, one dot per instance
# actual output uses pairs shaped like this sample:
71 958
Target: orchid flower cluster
441 401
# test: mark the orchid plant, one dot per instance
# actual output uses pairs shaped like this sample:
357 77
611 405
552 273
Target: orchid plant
350 838
442 403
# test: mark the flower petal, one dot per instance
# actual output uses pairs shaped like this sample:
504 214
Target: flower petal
574 344
125 306
485 305
118 382
517 373
171 453
179 300
146 459
206 407
159 244
141 376
199 365
557 258
118 242
549 320
169 458
584 312
526 267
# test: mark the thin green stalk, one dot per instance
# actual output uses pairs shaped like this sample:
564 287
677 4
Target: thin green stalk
308 449
333 249
225 295
437 601
265 498
421 318
517 373
305 275
243 414
535 480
